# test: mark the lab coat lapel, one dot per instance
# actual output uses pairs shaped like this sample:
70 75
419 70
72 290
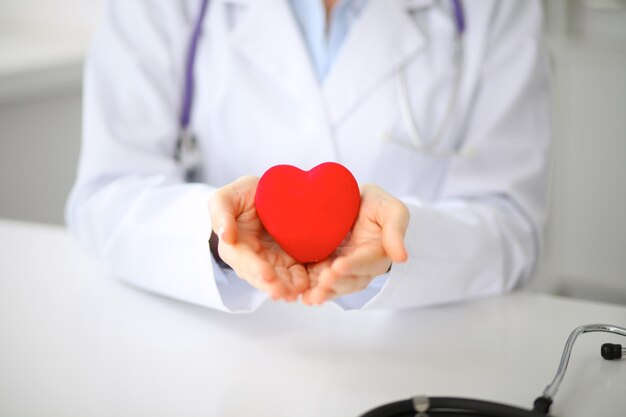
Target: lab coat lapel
381 40
269 37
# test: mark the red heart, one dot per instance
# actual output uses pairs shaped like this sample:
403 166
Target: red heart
308 213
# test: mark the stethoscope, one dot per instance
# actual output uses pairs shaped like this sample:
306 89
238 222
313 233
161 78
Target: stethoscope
422 406
188 155
416 141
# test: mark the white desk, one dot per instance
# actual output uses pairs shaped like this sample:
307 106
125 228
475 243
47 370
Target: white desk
74 342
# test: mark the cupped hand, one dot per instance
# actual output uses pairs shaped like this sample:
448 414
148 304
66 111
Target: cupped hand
376 240
245 245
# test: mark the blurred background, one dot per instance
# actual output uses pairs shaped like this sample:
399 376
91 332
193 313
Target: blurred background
42 45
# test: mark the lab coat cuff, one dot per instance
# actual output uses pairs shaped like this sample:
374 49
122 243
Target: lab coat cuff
237 295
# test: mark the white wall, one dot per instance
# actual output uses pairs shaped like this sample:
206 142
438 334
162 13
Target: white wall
51 14
39 143
42 44
586 241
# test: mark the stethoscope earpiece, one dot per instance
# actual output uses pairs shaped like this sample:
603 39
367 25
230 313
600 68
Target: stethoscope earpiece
610 351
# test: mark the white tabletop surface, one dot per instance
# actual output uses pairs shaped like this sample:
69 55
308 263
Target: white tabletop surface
75 342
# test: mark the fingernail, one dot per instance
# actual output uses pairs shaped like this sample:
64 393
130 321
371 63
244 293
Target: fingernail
220 231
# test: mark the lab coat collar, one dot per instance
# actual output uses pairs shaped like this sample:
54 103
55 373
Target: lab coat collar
381 40
268 36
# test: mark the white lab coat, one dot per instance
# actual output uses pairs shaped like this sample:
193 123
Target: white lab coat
476 220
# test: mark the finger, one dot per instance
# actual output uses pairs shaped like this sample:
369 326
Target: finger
276 289
316 296
313 280
344 285
323 290
315 269
246 262
284 276
351 284
365 260
322 295
299 278
276 294
307 295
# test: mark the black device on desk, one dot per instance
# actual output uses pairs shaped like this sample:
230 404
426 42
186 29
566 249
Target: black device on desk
422 406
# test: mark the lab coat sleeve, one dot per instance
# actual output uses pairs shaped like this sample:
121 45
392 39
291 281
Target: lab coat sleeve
482 235
130 204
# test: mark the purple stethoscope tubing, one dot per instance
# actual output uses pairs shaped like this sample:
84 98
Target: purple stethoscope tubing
185 117
459 16
186 141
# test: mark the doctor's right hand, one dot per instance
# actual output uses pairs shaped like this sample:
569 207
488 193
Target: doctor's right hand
245 245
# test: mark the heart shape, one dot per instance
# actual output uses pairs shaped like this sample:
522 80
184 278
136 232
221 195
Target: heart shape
308 213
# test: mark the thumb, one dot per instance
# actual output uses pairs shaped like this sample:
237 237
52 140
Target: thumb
393 244
394 223
223 214
227 204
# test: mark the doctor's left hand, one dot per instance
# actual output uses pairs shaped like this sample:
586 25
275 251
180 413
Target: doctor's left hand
245 245
376 240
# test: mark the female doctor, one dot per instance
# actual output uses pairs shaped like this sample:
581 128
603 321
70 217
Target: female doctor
446 112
